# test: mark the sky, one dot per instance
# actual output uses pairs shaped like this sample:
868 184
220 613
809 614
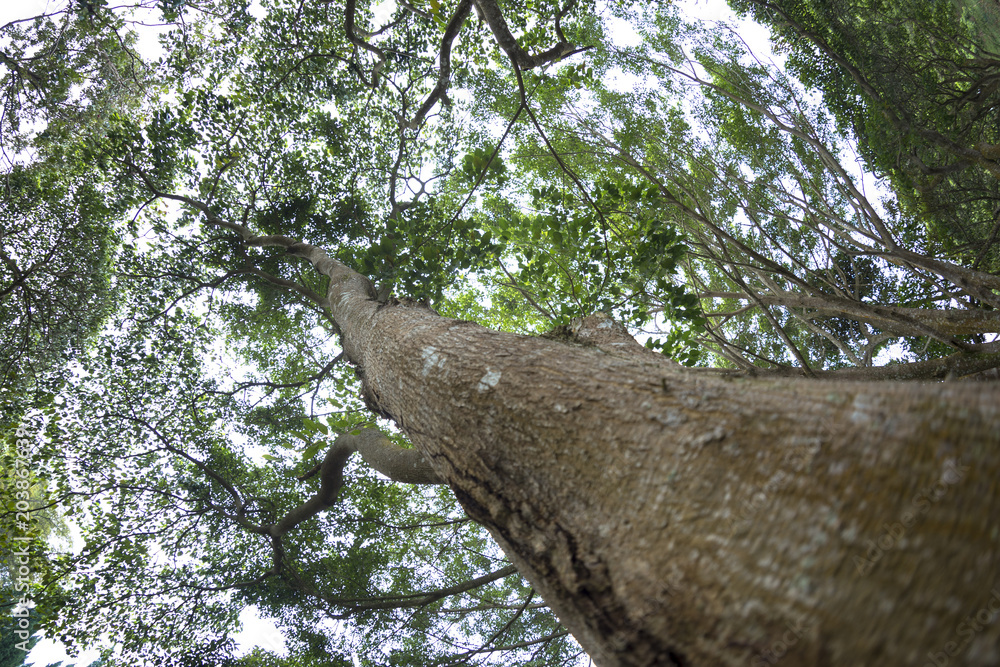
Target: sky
256 631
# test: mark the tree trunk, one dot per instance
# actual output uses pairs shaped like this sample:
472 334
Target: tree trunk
675 517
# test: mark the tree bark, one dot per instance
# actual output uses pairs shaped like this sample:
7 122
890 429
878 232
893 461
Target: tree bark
674 518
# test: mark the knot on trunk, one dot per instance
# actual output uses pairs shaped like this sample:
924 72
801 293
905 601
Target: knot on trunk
604 332
597 330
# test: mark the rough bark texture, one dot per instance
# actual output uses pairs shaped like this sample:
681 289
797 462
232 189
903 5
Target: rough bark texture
670 518
678 518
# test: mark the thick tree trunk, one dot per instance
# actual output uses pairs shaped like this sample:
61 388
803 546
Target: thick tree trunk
674 517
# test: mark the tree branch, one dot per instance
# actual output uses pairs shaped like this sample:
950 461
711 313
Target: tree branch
490 12
407 466
444 67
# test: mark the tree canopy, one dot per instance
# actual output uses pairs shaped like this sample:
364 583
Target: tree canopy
522 165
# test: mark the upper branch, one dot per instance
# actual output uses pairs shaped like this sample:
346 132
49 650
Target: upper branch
444 69
490 12
352 36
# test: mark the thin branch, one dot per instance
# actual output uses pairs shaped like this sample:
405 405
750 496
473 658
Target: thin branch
444 66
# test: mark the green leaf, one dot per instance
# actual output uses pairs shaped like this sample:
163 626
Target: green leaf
311 450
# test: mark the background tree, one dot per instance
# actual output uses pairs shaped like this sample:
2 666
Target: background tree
917 85
797 265
42 537
65 75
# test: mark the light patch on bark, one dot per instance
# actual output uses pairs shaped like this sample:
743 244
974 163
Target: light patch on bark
431 359
489 380
864 406
951 472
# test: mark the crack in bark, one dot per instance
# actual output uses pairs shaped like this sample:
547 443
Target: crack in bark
592 579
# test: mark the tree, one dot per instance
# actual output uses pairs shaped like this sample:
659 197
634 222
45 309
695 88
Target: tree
922 102
65 75
668 515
